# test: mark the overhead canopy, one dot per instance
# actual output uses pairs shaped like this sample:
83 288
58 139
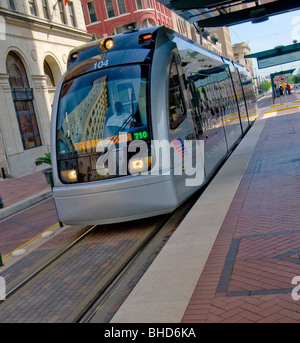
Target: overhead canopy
287 73
279 55
213 13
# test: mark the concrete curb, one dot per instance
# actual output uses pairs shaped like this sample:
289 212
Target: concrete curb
22 205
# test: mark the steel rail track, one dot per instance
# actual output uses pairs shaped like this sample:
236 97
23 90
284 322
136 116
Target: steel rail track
96 305
138 259
43 266
116 279
86 311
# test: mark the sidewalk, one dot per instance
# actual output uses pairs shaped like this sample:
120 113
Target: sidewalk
20 193
248 276
287 100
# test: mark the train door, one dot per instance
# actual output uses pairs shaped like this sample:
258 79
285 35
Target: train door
231 119
207 85
182 129
240 98
248 90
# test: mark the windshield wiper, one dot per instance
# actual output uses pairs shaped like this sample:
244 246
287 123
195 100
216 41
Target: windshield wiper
127 120
113 137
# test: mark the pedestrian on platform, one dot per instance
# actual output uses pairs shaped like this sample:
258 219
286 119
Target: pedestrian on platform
281 90
288 89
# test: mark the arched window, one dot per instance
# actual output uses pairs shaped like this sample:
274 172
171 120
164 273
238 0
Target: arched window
22 96
48 73
147 23
117 30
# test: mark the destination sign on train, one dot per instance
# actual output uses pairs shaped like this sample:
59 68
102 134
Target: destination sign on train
123 137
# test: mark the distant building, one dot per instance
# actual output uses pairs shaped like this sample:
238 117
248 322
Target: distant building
224 38
239 52
214 46
107 17
35 40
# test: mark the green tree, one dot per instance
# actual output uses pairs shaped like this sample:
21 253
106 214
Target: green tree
296 79
293 79
264 86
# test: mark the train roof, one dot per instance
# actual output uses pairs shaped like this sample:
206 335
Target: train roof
134 46
122 41
126 41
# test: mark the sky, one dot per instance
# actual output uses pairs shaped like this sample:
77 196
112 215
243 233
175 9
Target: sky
281 29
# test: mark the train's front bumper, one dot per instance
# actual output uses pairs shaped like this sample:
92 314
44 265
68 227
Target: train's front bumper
115 200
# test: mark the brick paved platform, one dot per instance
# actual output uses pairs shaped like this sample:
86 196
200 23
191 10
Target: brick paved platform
248 275
28 211
17 230
236 253
23 192
17 189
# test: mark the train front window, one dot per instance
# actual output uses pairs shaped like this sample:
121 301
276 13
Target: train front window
106 106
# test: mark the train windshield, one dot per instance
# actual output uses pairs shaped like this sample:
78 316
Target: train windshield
107 107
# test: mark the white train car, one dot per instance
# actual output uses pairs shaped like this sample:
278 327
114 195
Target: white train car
141 121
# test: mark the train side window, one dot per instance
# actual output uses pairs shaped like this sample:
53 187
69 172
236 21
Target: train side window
176 100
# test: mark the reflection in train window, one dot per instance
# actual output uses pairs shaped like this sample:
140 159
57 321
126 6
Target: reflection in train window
176 102
100 108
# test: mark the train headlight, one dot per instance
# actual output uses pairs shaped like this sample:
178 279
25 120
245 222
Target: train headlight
139 164
109 43
106 44
69 175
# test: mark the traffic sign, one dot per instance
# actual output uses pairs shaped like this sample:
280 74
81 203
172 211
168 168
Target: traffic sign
282 78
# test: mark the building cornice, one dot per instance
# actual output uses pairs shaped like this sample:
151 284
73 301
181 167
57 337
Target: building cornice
44 25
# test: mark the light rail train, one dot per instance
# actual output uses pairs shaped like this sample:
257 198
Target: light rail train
131 116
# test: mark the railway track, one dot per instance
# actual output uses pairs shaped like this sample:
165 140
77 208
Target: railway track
85 280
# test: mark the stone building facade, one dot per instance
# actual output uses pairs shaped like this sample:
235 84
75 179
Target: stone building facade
239 52
224 38
35 39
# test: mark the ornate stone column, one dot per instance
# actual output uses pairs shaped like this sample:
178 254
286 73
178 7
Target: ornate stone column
10 138
43 106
